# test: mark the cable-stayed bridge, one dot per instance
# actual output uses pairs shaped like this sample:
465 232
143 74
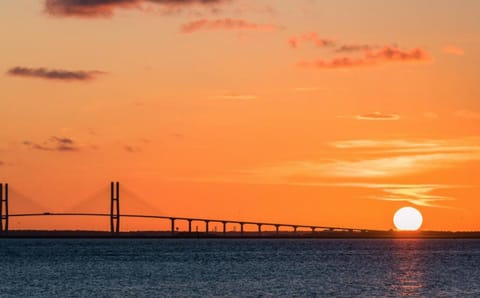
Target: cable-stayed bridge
115 217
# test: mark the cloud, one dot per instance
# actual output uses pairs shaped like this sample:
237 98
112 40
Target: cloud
468 146
350 48
378 159
106 8
310 37
60 144
225 24
420 195
453 50
377 116
53 74
369 160
382 167
466 114
387 54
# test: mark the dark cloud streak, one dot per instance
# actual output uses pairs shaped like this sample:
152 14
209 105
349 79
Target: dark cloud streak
387 54
350 48
106 8
54 143
54 74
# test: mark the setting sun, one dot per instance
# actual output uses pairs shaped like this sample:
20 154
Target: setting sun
408 219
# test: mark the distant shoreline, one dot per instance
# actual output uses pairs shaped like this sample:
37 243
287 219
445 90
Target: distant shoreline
69 234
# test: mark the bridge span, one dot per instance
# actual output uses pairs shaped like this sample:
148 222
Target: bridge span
115 217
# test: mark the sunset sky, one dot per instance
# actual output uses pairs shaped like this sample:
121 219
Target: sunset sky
326 112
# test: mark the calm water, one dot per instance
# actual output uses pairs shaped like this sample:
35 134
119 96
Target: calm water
205 267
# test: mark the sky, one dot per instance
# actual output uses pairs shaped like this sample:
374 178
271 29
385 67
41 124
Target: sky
316 112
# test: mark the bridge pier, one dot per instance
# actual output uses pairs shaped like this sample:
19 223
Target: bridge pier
224 229
277 229
4 208
115 208
206 226
172 221
189 225
295 230
259 229
241 228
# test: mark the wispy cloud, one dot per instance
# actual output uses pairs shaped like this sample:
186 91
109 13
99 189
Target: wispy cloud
383 167
226 24
54 74
387 54
453 50
310 37
369 161
420 195
377 116
54 143
106 8
392 158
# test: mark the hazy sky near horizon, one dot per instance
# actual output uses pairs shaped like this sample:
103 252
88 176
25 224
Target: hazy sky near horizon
315 112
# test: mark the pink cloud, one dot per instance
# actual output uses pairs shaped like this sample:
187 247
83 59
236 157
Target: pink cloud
310 37
226 24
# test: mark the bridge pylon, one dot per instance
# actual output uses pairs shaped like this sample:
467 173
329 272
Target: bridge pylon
4 208
115 208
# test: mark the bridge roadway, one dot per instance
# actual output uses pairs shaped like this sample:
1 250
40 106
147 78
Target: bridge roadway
205 220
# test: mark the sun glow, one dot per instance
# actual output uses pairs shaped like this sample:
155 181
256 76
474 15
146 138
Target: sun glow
407 219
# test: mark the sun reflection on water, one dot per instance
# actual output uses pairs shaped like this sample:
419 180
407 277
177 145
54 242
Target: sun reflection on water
407 268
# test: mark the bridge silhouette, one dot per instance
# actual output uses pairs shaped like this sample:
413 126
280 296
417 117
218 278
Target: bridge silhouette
115 216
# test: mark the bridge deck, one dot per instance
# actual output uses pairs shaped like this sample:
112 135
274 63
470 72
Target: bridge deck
191 219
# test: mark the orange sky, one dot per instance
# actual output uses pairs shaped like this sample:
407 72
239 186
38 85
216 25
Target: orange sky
328 112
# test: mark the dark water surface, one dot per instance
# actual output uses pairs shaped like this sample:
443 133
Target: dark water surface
258 267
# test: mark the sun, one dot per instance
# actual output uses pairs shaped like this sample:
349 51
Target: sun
408 219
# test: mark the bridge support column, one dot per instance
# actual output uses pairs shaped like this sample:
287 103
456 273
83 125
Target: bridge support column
241 228
4 208
114 208
189 225
277 229
172 220
295 230
224 229
259 229
206 226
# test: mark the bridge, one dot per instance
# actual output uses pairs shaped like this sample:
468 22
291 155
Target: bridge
115 217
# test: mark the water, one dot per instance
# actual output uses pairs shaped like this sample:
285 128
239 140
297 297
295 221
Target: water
253 268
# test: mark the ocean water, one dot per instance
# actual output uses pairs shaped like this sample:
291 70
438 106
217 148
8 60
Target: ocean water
239 268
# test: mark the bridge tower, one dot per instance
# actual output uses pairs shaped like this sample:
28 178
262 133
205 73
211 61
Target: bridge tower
4 208
115 208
